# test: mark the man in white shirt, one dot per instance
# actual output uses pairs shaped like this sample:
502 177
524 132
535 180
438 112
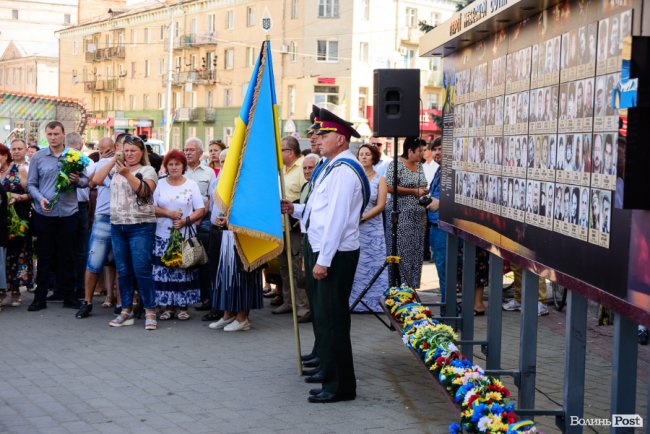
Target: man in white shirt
331 217
203 176
385 160
429 166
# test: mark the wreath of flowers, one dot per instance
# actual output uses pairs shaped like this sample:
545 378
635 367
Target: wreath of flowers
482 399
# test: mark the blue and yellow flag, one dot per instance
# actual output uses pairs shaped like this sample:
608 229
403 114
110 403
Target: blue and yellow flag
248 192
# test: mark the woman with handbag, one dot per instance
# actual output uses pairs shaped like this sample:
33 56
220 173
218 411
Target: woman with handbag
179 205
133 225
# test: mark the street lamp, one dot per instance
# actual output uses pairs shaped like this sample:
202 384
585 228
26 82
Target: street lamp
168 87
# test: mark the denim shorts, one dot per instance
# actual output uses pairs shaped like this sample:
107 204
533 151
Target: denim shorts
99 246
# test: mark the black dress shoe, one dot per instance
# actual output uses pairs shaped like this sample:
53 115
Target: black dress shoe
318 378
206 305
310 372
311 363
36 306
325 397
71 303
84 310
306 357
313 392
212 316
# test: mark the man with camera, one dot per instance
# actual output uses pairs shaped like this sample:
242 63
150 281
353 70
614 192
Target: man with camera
437 237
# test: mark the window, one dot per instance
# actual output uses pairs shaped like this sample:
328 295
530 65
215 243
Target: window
177 29
120 69
432 100
434 63
250 57
244 89
211 23
327 51
75 48
294 9
328 8
131 102
435 18
161 101
209 134
177 100
409 59
106 103
210 60
161 67
292 100
229 59
194 26
193 62
132 69
14 14
120 102
363 102
145 101
193 101
177 64
191 131
147 35
326 94
120 39
363 52
1 75
411 17
161 33
292 52
147 68
208 99
365 9
66 18
250 16
230 20
134 37
227 97
20 75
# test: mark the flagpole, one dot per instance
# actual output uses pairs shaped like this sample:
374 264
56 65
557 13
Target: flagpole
287 233
287 249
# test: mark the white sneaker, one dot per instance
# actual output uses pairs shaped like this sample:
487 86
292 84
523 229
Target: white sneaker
221 323
542 310
236 326
511 305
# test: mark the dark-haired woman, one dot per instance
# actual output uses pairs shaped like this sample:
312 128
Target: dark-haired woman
179 205
19 269
372 253
411 185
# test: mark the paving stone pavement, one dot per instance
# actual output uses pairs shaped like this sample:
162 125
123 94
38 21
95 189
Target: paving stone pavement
64 375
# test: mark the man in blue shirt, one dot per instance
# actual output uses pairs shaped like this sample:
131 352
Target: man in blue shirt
54 226
437 237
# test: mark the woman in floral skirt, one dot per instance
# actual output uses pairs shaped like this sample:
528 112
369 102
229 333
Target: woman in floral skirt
19 268
179 205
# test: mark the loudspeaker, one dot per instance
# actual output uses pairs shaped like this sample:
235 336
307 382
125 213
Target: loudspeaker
396 103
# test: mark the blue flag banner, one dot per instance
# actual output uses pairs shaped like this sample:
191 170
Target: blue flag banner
248 192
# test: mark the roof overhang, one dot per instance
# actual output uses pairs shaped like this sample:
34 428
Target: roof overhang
477 21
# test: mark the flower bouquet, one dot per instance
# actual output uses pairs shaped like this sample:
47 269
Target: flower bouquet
17 226
72 161
173 256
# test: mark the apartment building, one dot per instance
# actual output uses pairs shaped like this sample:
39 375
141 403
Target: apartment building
28 46
324 52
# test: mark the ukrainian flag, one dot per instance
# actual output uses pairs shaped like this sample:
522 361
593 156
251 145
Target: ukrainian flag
248 192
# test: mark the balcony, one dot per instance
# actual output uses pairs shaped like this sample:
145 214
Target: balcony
89 86
114 84
210 114
118 52
187 114
192 40
194 77
431 78
410 35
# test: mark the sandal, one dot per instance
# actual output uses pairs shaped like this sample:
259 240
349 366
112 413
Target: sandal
166 315
15 299
150 322
183 315
123 319
108 302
